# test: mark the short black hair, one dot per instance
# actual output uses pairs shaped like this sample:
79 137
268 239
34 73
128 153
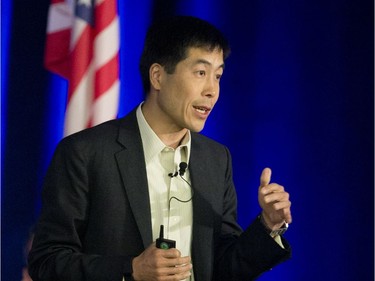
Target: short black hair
167 42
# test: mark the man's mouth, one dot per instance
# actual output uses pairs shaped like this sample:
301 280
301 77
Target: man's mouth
202 109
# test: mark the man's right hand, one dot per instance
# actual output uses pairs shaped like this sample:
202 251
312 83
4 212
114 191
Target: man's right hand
161 265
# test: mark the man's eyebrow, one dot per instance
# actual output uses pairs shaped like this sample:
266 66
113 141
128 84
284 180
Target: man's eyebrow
206 62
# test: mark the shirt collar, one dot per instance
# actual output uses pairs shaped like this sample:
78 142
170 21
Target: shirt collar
152 145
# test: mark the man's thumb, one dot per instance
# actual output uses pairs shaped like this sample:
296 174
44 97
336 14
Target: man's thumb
265 177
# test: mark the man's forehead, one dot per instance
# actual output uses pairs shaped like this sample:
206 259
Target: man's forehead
205 55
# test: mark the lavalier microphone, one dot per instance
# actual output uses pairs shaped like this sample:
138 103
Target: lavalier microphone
181 171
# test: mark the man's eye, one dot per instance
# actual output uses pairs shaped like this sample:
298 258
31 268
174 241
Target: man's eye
201 72
218 76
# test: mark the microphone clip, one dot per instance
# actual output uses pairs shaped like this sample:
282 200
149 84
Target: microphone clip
181 171
173 175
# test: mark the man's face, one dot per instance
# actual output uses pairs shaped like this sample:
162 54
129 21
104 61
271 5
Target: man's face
187 96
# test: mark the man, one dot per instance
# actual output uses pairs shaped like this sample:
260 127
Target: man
110 188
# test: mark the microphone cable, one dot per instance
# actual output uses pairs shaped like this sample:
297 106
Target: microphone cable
181 172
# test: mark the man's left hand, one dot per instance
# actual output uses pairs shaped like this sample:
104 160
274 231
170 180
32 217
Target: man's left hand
274 201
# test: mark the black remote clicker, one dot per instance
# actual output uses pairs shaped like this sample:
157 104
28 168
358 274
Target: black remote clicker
163 243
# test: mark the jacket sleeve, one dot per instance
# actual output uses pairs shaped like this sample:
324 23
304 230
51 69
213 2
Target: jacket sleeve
244 255
58 252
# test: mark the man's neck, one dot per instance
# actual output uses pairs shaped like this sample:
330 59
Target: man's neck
168 134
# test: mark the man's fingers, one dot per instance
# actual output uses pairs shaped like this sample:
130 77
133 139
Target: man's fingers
177 262
288 216
172 257
179 269
176 267
272 188
275 193
265 177
171 253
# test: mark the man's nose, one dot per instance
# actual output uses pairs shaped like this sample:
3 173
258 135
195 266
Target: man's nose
212 88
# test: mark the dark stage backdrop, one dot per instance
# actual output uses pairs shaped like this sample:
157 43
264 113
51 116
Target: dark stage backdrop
297 96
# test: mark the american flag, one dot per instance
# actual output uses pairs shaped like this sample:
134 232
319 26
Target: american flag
82 46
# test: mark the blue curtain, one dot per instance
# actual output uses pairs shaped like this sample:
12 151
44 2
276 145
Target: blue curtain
297 96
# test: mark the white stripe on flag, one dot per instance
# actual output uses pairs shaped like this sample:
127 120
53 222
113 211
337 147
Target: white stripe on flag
77 113
60 17
104 51
79 26
106 106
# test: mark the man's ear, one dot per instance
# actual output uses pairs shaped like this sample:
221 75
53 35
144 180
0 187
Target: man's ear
155 75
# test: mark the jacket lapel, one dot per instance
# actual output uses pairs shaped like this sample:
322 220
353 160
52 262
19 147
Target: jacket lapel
203 214
133 172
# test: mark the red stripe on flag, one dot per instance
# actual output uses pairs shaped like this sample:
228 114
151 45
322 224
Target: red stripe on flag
106 76
81 57
105 13
56 57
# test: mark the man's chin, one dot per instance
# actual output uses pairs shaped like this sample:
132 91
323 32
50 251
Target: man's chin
197 129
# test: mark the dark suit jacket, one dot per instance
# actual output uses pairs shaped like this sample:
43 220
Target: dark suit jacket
96 213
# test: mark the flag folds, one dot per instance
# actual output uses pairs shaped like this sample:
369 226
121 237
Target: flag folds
82 46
